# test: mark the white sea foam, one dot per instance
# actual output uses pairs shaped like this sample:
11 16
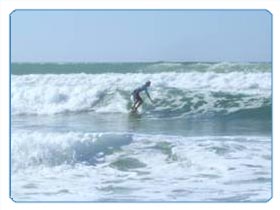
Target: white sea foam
50 94
139 167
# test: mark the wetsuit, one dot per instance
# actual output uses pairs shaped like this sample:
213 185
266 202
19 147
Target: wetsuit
136 92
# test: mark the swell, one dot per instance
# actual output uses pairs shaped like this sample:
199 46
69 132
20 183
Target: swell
134 67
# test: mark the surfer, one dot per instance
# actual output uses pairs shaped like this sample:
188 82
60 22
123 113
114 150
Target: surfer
136 96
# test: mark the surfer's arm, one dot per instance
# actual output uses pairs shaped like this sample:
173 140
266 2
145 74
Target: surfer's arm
149 96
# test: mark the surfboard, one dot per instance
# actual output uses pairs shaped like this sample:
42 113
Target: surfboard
133 111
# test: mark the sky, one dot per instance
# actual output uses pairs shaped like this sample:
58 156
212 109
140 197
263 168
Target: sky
141 35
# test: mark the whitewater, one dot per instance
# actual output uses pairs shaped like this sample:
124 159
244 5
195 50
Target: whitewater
51 94
207 137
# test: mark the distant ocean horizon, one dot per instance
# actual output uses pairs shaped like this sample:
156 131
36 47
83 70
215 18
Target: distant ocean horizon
206 138
122 66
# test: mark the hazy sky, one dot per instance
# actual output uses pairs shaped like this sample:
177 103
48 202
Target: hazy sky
139 35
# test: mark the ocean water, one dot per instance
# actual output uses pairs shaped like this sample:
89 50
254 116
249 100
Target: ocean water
207 137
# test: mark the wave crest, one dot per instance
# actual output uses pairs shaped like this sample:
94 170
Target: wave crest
176 93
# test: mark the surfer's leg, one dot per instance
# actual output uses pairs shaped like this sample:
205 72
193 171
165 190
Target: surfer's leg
134 105
138 104
137 100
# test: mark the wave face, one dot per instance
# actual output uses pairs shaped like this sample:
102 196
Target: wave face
54 149
49 149
223 89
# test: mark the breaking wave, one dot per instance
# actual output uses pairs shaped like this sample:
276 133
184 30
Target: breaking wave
175 94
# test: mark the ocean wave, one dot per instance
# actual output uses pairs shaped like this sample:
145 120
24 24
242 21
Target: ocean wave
54 166
32 149
35 149
203 67
175 93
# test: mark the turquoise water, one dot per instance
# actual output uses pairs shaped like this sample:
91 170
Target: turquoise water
206 138
152 67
